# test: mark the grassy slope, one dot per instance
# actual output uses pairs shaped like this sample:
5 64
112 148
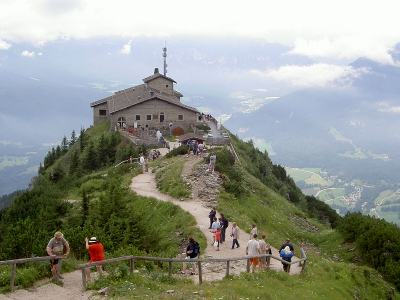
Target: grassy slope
323 277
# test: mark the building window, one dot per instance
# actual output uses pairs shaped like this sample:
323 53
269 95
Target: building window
137 117
180 117
148 117
166 85
155 117
102 112
162 117
121 122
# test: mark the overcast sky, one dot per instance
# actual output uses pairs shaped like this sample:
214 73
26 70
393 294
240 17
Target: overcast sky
333 33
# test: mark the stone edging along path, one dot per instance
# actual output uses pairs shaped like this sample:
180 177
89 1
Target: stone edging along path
145 185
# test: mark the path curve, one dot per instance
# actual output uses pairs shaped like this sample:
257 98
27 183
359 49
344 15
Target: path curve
145 185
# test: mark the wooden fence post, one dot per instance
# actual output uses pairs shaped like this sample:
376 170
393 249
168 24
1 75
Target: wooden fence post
14 266
84 279
131 265
227 269
170 268
200 275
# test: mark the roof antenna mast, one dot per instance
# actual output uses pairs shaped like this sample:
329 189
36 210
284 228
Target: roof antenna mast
165 59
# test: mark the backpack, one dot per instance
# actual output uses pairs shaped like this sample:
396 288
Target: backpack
196 248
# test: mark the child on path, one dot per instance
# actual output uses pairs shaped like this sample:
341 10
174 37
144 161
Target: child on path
218 238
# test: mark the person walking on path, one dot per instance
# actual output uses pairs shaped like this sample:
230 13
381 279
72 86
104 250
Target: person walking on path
287 243
96 251
253 231
235 235
55 247
213 160
253 249
190 253
141 160
211 215
218 238
201 149
225 222
215 225
286 251
263 250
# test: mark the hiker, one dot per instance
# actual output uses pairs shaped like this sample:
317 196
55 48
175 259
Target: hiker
286 252
213 160
264 249
141 160
253 249
253 231
96 252
235 235
211 215
225 223
190 253
286 255
218 238
215 225
55 247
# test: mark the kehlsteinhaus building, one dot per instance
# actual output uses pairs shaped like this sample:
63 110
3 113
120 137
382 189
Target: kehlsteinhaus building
155 104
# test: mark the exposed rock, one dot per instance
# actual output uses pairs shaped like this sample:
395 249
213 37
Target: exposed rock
103 291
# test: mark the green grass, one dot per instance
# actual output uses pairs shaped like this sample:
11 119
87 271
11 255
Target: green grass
169 181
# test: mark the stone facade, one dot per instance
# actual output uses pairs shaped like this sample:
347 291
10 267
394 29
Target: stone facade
154 104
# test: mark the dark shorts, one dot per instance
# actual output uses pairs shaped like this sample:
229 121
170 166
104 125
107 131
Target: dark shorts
54 262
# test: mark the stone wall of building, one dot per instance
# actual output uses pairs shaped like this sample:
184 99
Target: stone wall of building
97 117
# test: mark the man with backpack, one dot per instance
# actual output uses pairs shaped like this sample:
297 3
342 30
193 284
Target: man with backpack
192 251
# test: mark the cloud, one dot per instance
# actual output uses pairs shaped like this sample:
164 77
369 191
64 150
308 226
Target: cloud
126 49
27 53
4 45
317 75
347 47
387 108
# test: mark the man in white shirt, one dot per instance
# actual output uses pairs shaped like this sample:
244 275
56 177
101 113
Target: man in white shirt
253 249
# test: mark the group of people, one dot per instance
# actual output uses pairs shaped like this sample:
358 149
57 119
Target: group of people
56 246
198 148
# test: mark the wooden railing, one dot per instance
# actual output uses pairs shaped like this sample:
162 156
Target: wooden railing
131 258
14 263
199 261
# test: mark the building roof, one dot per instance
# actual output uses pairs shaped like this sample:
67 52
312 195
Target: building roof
156 75
135 95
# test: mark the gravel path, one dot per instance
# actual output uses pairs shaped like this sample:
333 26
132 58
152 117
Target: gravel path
145 185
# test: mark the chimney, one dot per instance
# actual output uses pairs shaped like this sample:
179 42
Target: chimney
156 71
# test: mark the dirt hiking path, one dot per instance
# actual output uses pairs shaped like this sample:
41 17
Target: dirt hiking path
145 185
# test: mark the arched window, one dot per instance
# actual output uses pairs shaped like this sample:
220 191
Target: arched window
121 122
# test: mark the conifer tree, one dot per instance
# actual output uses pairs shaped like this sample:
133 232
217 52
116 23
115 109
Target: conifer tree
82 139
73 138
90 157
64 145
73 162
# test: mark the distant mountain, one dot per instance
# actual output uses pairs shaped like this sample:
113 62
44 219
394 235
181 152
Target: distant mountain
349 133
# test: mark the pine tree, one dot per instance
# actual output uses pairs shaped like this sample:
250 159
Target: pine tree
64 145
73 138
82 139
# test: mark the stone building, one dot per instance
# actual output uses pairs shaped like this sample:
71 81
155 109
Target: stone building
155 104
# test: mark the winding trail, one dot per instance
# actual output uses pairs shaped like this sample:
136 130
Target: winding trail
145 185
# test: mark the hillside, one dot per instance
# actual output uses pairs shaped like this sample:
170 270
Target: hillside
85 200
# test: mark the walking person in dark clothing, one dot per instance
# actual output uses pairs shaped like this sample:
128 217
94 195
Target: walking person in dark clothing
223 229
211 215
